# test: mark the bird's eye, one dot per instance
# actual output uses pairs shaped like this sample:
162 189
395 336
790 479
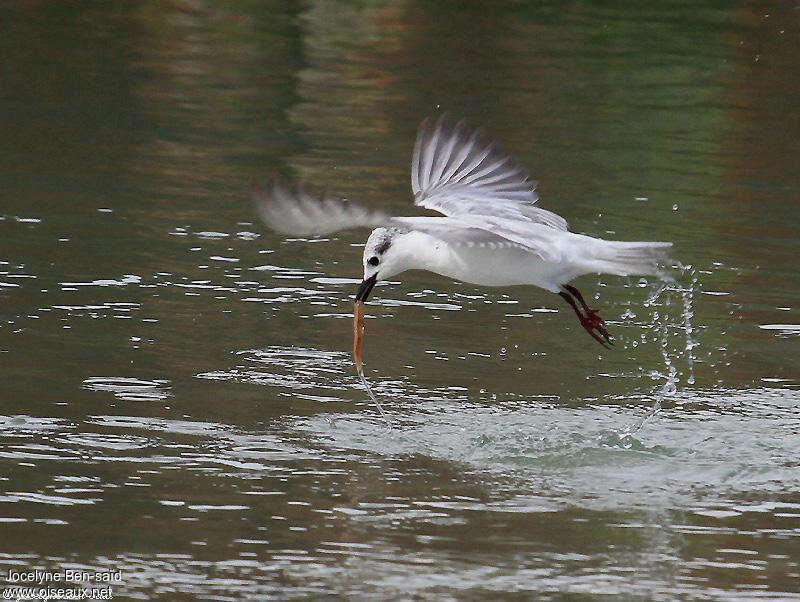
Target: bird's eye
373 261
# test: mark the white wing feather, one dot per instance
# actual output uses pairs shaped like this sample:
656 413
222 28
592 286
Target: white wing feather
488 232
457 172
299 213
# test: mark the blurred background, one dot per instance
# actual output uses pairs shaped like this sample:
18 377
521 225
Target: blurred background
179 402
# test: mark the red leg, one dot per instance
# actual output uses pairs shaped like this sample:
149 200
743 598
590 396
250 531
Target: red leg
577 294
590 313
591 322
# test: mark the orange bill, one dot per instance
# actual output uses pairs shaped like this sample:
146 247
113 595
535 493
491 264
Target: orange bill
358 334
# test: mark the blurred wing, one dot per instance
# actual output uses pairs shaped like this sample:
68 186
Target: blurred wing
456 171
300 213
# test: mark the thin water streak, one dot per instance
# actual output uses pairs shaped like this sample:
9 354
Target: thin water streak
688 314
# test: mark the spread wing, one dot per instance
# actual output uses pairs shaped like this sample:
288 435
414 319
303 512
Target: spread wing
456 171
300 213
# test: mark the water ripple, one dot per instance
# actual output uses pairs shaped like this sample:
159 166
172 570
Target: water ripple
130 389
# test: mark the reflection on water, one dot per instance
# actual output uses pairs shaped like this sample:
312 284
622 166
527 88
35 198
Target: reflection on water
179 398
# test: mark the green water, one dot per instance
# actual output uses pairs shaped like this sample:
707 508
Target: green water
178 399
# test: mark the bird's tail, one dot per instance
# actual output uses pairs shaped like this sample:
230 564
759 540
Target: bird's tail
629 258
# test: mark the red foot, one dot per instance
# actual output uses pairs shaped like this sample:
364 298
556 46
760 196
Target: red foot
590 320
593 322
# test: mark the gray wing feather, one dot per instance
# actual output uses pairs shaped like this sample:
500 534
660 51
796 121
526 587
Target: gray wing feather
301 213
491 233
458 172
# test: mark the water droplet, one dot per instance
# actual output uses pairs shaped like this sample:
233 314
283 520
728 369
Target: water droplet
642 282
675 207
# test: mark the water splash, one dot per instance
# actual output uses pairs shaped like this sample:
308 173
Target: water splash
670 386
660 320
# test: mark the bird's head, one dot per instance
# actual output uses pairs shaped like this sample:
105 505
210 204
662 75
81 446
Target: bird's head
384 257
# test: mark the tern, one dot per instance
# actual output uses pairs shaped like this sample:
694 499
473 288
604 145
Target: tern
492 233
